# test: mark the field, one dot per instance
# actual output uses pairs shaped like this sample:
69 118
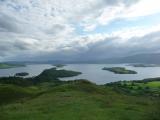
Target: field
148 87
154 84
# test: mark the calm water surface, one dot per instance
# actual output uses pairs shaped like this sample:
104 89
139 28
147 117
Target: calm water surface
33 70
92 72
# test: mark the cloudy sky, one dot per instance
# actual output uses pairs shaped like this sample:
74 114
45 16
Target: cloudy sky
78 29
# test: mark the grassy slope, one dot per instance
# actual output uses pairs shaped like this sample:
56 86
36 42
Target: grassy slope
82 101
12 93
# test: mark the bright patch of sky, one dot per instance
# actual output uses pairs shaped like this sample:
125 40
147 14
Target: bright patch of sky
143 21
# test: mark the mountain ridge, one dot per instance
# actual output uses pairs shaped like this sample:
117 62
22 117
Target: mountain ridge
147 58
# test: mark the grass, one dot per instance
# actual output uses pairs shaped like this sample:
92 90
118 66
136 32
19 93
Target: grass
11 93
153 84
81 100
143 87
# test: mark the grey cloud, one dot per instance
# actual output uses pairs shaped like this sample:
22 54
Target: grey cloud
116 2
8 24
109 47
5 48
20 45
56 28
40 23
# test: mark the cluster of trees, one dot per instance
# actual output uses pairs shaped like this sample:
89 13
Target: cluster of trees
22 74
16 81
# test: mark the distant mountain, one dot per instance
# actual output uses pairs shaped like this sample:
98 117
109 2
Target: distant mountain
139 58
36 62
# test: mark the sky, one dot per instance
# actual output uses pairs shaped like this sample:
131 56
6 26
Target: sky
78 29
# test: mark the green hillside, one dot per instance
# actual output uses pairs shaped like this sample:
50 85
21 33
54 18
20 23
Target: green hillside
81 100
77 100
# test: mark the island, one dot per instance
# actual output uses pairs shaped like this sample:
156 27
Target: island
144 65
119 70
22 74
59 65
53 74
8 65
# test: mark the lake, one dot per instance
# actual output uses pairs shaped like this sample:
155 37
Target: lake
32 69
92 72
